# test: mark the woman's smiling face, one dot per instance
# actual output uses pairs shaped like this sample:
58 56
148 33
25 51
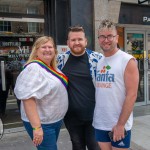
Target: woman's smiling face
46 52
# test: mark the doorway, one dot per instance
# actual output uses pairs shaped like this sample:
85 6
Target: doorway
9 105
13 56
148 65
137 43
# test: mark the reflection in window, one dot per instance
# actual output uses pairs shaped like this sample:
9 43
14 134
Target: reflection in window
32 10
135 46
149 87
33 27
148 46
21 6
27 17
5 26
4 8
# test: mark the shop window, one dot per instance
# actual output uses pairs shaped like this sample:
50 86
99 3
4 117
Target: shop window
22 17
5 26
4 8
33 27
32 10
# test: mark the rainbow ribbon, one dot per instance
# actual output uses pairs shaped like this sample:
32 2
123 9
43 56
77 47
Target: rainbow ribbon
60 76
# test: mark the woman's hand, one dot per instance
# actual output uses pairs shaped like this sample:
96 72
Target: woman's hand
37 136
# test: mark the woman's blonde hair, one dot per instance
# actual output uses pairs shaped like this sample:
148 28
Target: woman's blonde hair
40 41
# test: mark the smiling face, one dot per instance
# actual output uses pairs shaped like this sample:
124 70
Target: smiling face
46 52
109 42
108 37
77 42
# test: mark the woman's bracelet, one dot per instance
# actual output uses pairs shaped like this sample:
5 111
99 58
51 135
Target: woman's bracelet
37 128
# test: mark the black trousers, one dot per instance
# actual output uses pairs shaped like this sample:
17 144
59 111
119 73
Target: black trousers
3 99
81 134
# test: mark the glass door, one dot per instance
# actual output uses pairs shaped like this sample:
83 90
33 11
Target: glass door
13 56
9 105
135 45
148 65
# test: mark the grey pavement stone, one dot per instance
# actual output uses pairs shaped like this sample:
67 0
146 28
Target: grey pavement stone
20 141
16 141
64 142
134 146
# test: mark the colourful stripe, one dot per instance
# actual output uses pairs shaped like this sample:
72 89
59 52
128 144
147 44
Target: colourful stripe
58 75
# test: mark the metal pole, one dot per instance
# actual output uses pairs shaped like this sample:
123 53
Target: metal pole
3 76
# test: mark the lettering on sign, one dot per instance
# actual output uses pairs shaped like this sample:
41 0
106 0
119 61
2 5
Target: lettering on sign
10 43
146 19
62 48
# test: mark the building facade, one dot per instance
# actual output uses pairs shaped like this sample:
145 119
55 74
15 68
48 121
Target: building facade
21 22
133 21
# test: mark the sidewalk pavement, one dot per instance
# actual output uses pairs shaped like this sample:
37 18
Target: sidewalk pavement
17 139
141 133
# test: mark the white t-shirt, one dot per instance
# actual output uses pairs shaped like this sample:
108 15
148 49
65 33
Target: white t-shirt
110 91
50 94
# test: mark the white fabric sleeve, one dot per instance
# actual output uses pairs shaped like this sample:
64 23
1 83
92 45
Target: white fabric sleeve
32 83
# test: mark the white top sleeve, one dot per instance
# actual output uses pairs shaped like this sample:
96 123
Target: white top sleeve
31 83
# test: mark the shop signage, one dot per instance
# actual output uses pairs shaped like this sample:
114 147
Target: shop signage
10 44
18 55
62 48
128 15
146 19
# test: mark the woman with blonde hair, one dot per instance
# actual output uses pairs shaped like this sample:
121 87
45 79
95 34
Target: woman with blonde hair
41 87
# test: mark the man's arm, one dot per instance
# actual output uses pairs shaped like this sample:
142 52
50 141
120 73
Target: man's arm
131 79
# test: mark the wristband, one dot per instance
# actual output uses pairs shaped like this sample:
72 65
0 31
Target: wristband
37 128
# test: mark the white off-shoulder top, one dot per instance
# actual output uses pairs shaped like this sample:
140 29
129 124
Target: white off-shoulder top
49 93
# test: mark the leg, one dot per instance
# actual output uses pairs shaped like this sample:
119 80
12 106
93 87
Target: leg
105 145
2 102
28 128
50 135
103 139
57 129
76 132
90 136
4 95
51 132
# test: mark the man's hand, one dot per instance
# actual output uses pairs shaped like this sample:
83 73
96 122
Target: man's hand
118 132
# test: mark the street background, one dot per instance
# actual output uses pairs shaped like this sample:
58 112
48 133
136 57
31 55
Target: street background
17 139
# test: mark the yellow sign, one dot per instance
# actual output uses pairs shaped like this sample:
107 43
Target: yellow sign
141 56
138 56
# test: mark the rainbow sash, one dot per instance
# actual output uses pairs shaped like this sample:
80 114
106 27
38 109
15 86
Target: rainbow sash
60 76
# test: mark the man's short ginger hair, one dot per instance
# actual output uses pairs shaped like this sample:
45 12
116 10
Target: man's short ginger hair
76 28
